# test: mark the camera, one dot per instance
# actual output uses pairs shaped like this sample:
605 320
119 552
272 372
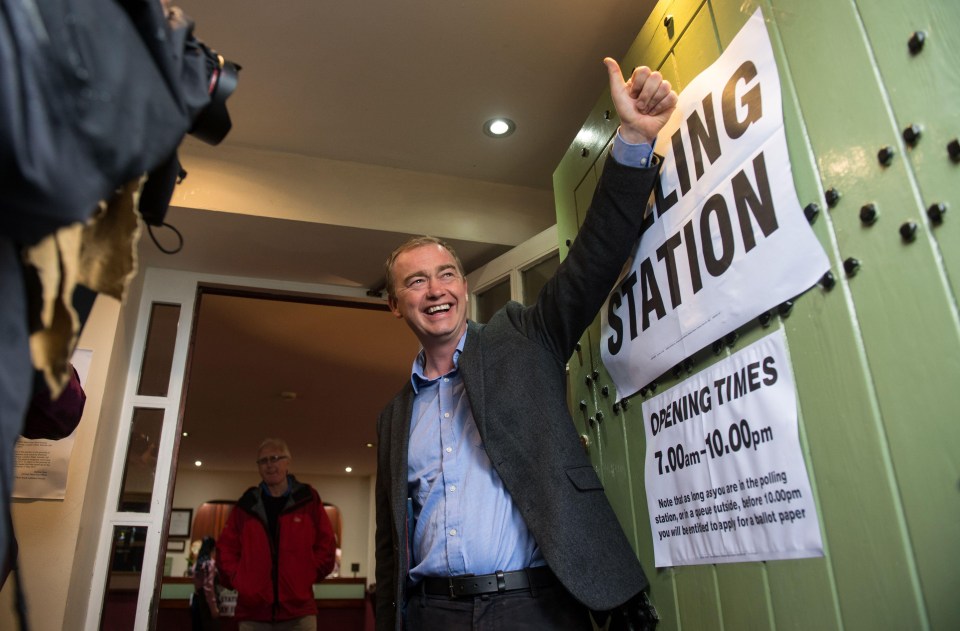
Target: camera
213 122
207 81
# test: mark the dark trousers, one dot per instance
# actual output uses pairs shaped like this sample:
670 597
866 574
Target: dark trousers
546 608
200 614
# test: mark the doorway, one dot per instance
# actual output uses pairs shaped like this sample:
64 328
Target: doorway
245 361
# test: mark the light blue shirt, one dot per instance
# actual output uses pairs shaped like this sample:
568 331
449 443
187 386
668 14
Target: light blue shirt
463 519
632 155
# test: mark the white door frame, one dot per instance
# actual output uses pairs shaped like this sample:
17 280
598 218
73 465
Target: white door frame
179 288
512 264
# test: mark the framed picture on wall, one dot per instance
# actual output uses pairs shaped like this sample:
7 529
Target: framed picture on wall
176 545
180 519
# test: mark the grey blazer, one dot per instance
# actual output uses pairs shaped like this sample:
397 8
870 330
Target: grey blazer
513 369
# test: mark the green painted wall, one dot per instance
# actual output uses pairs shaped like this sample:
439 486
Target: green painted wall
876 358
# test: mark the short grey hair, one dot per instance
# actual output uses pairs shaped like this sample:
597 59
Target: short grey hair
412 244
278 443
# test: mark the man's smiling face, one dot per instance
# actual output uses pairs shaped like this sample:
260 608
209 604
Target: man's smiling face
273 465
430 294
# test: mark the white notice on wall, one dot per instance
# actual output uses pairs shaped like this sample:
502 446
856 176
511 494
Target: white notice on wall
725 477
40 465
727 239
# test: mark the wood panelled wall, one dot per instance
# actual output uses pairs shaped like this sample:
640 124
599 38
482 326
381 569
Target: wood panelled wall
876 357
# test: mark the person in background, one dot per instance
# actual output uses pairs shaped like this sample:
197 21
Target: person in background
205 612
488 509
276 544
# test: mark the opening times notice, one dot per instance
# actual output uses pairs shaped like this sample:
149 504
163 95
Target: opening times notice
729 507
725 477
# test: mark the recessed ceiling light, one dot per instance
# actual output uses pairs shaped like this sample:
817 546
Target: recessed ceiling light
185 434
499 127
197 463
348 469
369 444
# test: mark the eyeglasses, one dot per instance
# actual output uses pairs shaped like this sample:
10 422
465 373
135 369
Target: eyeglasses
270 460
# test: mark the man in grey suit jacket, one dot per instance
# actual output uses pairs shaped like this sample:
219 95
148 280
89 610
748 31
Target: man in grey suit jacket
487 506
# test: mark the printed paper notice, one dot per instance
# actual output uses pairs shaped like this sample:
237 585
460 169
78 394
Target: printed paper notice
40 465
725 477
727 239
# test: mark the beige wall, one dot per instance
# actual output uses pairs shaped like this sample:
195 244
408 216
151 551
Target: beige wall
48 530
287 186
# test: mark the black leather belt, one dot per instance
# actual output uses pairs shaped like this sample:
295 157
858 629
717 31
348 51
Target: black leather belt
497 583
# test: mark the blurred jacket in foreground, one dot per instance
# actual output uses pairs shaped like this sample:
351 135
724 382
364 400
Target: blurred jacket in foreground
95 98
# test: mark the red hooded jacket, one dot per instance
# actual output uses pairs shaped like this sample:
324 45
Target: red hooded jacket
274 579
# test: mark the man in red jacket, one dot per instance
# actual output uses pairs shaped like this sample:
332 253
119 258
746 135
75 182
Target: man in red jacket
276 544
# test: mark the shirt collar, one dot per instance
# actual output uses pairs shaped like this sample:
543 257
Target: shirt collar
266 491
417 377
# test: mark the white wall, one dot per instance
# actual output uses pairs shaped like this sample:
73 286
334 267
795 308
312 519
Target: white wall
287 186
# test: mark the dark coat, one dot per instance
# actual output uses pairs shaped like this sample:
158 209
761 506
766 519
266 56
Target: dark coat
513 370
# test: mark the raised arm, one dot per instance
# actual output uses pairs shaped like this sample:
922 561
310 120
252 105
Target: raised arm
570 300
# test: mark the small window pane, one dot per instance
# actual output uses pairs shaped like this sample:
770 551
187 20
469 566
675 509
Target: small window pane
537 276
492 299
158 351
140 465
123 581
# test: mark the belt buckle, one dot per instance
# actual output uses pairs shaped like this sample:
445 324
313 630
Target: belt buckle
501 582
451 585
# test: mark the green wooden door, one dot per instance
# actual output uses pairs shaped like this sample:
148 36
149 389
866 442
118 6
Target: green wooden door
876 356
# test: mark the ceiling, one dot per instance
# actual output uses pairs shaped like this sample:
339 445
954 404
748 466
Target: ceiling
402 84
315 375
409 83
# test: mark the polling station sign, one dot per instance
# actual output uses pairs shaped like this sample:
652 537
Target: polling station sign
726 238
724 473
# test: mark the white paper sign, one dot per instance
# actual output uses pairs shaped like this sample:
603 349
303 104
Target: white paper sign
725 477
40 465
726 239
227 602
